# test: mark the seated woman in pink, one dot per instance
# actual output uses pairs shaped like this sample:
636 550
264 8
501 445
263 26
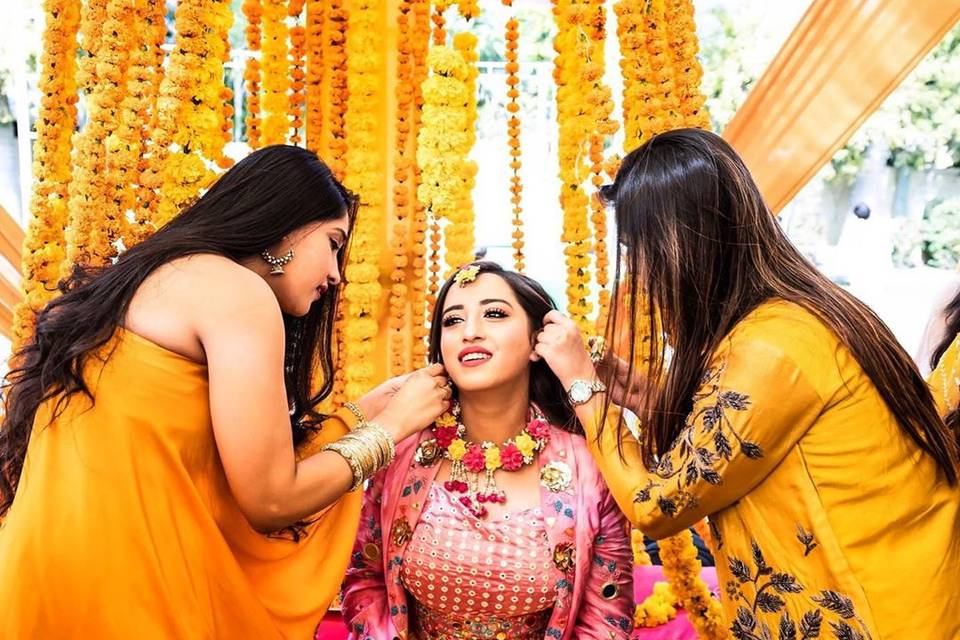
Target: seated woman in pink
494 522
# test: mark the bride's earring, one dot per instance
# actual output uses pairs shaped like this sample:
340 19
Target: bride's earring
276 263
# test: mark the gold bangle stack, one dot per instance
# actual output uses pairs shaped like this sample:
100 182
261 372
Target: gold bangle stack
367 449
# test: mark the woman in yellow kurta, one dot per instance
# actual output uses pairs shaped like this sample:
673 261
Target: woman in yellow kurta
164 468
787 414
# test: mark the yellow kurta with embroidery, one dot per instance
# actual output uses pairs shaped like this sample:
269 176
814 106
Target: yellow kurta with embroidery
124 525
944 380
828 521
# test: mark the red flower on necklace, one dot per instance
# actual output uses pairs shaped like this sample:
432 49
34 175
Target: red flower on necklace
510 457
475 460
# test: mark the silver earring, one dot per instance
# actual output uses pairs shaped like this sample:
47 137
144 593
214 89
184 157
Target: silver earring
276 263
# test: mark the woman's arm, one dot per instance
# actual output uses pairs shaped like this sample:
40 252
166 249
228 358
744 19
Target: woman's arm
240 326
747 415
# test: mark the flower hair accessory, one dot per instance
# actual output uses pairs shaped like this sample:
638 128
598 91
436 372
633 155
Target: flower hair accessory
466 275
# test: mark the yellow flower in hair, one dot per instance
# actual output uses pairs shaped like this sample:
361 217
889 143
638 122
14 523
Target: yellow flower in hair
525 444
457 449
466 275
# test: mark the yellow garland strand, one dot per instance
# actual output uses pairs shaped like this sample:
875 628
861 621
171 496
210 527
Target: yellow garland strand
147 198
574 115
43 247
459 233
188 134
511 38
226 93
420 43
315 62
276 80
637 544
336 56
600 99
682 568
365 176
402 202
639 87
298 40
95 216
253 11
659 608
687 70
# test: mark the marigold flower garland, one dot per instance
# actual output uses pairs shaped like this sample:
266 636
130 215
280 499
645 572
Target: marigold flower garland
420 43
95 218
601 99
439 22
443 145
365 176
682 569
402 202
276 79
298 52
458 234
687 70
43 248
253 11
575 118
313 94
188 134
335 55
639 83
659 608
511 38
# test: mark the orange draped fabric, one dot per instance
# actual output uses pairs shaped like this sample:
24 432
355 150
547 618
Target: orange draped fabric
839 64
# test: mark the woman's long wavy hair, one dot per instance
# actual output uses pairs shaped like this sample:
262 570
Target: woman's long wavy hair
700 248
265 197
952 313
546 391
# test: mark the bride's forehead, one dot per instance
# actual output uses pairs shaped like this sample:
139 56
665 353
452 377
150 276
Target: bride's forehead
486 286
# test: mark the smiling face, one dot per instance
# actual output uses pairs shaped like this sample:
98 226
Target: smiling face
314 267
486 339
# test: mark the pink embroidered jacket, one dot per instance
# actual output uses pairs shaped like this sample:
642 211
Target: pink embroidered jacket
593 561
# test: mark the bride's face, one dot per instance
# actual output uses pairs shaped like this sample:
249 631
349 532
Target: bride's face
486 340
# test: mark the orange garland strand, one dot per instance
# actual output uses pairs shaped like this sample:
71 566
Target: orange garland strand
511 38
315 62
420 45
298 39
253 10
336 56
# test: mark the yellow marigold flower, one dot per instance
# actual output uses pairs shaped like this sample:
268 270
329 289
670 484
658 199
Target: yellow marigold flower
525 444
457 449
492 457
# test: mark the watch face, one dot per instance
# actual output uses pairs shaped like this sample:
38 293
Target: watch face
580 392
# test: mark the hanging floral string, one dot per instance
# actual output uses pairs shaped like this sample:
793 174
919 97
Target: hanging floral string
314 78
365 176
682 568
511 38
188 136
43 247
402 202
638 86
298 43
576 122
687 70
420 43
336 58
95 217
276 79
226 93
253 11
657 609
439 22
459 233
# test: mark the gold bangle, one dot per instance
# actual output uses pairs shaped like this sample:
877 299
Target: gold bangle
346 452
355 409
367 449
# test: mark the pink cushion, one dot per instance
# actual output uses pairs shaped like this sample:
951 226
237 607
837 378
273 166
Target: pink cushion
332 627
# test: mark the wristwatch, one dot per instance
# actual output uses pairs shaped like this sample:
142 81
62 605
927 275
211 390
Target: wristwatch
581 391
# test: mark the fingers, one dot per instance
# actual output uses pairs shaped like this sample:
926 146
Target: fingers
554 317
434 369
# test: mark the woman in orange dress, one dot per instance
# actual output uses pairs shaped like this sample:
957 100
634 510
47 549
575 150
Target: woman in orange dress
165 470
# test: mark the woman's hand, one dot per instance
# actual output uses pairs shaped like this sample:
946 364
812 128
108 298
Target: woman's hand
561 346
420 400
625 390
377 398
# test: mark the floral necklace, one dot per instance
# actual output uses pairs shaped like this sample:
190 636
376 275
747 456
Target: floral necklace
473 463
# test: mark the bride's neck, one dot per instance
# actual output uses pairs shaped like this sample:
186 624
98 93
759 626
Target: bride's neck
495 415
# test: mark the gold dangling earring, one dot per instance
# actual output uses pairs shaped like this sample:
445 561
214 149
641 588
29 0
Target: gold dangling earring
276 263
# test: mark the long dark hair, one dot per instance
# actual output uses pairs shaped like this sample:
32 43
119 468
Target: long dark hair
254 205
546 391
952 314
701 250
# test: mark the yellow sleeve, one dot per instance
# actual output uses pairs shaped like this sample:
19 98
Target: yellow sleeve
944 380
753 406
